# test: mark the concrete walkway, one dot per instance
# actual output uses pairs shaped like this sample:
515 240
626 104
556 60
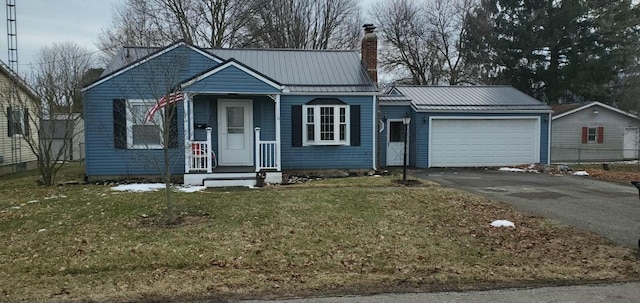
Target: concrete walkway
614 293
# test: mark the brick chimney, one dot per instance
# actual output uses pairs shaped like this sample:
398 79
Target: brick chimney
370 51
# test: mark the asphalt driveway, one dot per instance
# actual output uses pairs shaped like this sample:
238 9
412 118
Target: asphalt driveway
609 209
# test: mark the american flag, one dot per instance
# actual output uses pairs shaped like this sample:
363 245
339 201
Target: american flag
164 101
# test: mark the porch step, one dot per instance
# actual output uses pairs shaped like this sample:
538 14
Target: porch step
230 179
231 182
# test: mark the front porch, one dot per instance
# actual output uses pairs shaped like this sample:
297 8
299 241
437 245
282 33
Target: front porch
232 140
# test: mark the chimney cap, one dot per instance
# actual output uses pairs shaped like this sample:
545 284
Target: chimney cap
369 26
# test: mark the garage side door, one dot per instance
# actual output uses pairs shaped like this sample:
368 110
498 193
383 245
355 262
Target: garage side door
483 142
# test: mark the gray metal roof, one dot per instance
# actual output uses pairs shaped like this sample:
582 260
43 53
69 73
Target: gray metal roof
298 70
306 70
470 98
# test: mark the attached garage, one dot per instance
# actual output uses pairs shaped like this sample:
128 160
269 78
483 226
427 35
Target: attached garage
465 126
464 142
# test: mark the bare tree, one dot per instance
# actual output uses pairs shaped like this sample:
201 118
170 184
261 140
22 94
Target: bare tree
56 81
407 46
425 39
146 118
446 21
205 23
304 24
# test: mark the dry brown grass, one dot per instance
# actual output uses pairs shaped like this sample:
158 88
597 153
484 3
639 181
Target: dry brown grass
618 172
313 239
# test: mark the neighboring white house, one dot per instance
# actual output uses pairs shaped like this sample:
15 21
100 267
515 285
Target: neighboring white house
593 132
16 122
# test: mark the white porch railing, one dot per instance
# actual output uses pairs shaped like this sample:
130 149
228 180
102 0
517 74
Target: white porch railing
267 153
201 159
200 156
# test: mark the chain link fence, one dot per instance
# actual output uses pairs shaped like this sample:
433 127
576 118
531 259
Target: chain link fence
581 155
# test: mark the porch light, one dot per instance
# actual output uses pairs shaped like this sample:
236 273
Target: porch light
406 120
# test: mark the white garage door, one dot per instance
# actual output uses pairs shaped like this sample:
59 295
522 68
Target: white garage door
483 142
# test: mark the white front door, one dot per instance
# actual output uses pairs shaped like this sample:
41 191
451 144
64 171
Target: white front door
235 135
630 143
395 143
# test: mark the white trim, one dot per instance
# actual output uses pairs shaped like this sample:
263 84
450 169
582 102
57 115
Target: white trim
484 111
149 58
395 103
307 93
187 131
548 139
278 140
594 104
537 130
237 65
374 134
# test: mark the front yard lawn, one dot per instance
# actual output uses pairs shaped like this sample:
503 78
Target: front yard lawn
87 242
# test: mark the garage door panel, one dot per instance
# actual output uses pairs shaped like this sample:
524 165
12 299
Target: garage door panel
483 142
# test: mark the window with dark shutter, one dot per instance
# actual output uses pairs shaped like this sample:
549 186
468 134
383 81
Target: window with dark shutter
17 121
593 135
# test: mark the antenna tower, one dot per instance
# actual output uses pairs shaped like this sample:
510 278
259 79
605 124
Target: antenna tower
12 44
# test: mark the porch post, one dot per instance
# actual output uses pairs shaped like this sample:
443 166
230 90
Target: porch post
187 133
208 153
257 151
278 144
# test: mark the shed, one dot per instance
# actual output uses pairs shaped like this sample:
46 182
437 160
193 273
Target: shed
593 131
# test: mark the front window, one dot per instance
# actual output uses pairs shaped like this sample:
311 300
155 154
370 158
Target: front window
143 132
326 124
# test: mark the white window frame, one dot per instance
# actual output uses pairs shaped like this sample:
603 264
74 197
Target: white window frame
21 121
317 125
157 121
595 135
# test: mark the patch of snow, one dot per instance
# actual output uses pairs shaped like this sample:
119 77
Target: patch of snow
42 230
502 223
581 173
511 169
143 187
147 187
33 201
15 207
190 189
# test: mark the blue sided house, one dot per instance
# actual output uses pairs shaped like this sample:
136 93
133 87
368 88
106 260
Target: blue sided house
231 116
463 126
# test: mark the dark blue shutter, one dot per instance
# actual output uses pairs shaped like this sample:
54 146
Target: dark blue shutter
296 125
355 124
172 111
9 123
119 124
26 121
